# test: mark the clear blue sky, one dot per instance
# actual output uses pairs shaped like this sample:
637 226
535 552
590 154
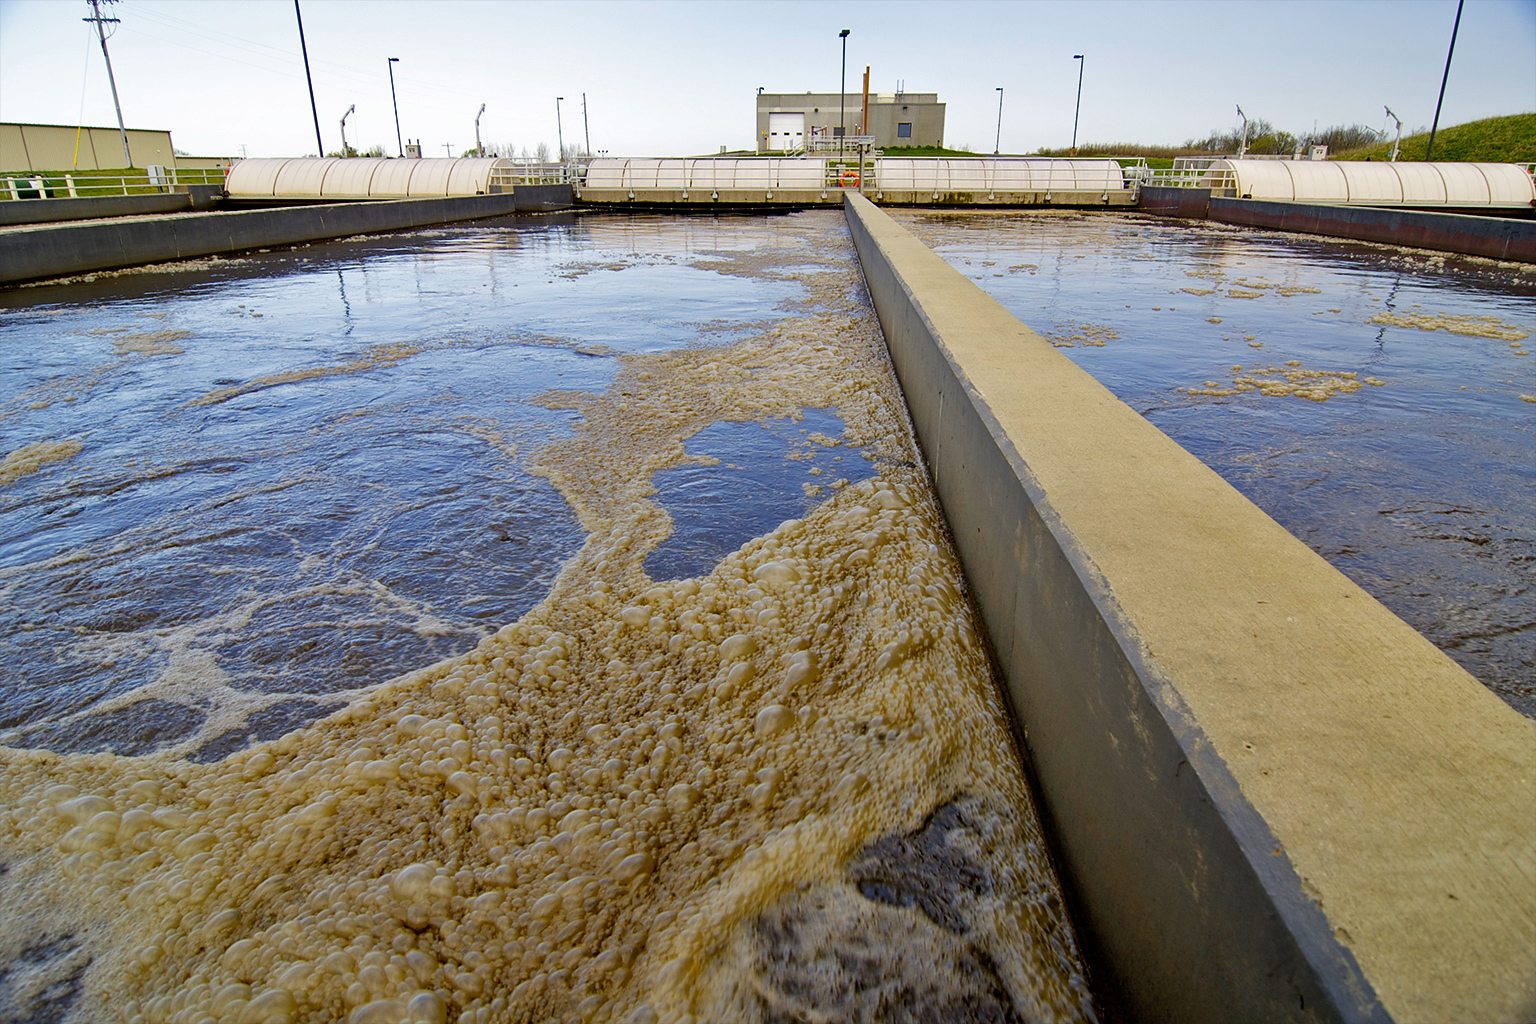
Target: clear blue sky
679 77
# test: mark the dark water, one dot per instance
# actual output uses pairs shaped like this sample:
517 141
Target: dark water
1422 489
302 472
760 474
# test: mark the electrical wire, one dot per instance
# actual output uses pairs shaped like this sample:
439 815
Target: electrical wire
84 81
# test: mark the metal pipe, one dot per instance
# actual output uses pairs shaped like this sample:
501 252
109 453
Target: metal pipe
1078 110
392 62
1397 142
1242 146
344 117
314 110
1430 151
479 149
586 128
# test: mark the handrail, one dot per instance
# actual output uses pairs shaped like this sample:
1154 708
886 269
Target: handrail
54 185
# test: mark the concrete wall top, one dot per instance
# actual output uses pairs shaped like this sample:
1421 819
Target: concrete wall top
1176 659
1448 183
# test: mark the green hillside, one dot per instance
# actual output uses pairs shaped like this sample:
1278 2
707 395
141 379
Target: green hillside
1510 139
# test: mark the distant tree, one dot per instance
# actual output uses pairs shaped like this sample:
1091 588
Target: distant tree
178 151
346 151
1341 138
375 150
541 153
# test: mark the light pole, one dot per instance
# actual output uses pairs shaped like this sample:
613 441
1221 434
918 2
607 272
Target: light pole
479 149
1429 152
392 62
842 91
998 145
350 111
1397 142
1079 108
559 131
586 127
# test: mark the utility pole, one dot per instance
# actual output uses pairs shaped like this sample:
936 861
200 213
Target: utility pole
479 149
392 62
350 110
1428 153
102 35
585 127
319 145
1242 147
559 131
1397 142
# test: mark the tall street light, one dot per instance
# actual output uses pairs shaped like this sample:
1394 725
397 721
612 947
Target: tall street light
392 62
998 145
559 131
479 147
842 91
350 111
1079 58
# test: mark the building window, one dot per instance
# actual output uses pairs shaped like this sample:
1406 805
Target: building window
904 130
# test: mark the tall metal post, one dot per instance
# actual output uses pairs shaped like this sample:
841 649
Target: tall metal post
102 35
842 94
319 145
1081 63
1429 152
392 62
479 149
559 131
586 128
998 145
350 110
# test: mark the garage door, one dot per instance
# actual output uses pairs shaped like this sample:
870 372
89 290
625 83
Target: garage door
786 132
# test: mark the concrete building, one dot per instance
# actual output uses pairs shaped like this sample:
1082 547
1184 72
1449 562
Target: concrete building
52 147
787 120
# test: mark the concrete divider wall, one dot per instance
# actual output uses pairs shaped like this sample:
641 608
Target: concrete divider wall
1271 798
39 211
1500 238
53 251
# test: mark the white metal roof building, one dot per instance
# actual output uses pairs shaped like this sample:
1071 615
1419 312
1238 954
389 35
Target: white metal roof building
1348 182
364 178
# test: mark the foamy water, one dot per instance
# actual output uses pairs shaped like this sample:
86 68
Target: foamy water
592 758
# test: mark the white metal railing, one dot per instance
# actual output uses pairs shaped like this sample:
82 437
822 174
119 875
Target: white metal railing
153 180
1194 172
511 173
